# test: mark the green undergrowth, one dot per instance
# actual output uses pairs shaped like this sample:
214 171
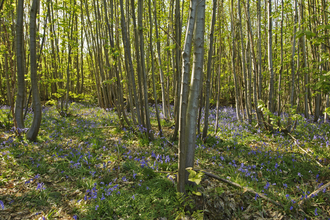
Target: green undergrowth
86 167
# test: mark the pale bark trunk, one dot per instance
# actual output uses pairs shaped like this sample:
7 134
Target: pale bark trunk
184 97
153 72
292 56
178 84
209 61
161 74
195 84
139 69
281 68
219 72
254 62
243 63
270 59
259 68
144 75
303 45
238 115
128 60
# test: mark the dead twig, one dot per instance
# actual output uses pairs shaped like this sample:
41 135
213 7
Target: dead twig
314 193
296 142
245 189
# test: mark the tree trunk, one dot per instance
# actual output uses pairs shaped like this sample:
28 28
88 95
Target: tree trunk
153 71
243 63
292 56
281 68
178 84
219 72
270 59
144 75
195 84
184 97
161 74
238 115
20 66
128 60
139 68
33 131
209 61
254 61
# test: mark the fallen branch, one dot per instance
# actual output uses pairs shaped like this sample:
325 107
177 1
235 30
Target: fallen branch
245 189
106 127
314 193
296 142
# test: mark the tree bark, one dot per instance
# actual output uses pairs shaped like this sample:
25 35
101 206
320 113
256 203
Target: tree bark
270 58
195 85
20 66
237 101
184 97
153 72
178 84
33 131
209 61
144 75
128 60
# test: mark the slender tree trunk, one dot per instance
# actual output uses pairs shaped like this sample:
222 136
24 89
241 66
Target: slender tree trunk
139 68
153 70
254 62
164 106
81 89
144 76
20 66
33 131
238 115
178 84
259 67
195 84
243 63
303 45
184 97
270 59
219 72
209 61
128 60
281 68
292 56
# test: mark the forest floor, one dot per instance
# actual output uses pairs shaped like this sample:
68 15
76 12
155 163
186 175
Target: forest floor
86 167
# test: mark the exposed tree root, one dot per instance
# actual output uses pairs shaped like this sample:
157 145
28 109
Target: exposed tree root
245 189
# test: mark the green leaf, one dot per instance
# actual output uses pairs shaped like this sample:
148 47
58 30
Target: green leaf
194 176
197 193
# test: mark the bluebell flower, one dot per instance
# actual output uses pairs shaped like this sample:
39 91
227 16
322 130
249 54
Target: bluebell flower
2 205
40 186
315 212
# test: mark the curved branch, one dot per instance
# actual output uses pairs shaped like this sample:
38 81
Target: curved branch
314 193
245 189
